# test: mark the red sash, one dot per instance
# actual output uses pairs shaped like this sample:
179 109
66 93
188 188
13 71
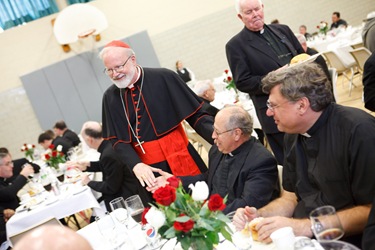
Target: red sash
171 148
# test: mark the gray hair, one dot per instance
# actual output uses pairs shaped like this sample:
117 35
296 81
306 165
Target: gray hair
238 3
301 80
239 118
201 86
104 51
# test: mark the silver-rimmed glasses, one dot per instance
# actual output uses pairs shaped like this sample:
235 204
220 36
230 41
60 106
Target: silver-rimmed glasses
117 68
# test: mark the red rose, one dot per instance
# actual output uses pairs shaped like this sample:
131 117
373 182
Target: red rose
216 203
61 154
144 221
226 71
47 156
165 195
54 153
51 146
229 78
174 181
183 226
33 146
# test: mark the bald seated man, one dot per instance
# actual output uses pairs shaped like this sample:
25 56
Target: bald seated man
53 237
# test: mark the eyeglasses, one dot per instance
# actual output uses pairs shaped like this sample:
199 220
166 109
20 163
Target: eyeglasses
272 106
220 133
117 68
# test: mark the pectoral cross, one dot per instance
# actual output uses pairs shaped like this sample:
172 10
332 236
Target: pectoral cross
140 145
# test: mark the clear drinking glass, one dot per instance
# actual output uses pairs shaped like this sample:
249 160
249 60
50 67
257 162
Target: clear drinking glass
325 224
135 207
119 210
107 228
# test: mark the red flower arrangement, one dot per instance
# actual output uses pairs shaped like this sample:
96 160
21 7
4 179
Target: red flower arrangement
229 81
191 219
54 156
29 151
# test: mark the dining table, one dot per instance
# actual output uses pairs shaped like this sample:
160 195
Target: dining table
72 198
339 41
133 237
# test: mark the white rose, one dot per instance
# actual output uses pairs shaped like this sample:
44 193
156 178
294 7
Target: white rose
200 191
155 218
29 146
59 148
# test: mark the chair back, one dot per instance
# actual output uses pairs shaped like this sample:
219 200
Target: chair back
16 237
360 55
333 74
335 62
357 45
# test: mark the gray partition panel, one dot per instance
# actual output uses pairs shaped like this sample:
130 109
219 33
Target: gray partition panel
66 95
86 84
142 46
42 98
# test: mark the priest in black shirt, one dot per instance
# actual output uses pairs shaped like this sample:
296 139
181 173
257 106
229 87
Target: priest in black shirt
142 115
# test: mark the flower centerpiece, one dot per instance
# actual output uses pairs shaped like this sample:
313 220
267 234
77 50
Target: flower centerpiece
323 27
228 79
192 219
29 151
54 156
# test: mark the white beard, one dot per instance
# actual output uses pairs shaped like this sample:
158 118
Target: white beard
124 82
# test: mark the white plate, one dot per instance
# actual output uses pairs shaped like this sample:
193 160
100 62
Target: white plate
310 59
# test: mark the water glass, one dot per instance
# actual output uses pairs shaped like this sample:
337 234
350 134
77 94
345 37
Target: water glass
119 210
107 228
325 224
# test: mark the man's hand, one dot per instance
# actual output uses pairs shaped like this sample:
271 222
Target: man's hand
244 215
85 179
301 227
8 213
27 170
81 165
144 174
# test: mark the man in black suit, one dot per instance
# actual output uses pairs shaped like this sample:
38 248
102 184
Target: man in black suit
255 51
239 166
60 129
118 180
47 138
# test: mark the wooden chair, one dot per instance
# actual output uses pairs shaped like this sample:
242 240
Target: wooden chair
341 68
357 45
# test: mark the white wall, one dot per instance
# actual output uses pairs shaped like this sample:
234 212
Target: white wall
194 31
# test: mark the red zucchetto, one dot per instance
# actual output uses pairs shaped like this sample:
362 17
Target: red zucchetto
117 43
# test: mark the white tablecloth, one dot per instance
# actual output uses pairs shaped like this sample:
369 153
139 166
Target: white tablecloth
68 203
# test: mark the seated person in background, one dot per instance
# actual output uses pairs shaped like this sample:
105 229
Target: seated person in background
17 165
303 31
337 21
275 21
206 92
368 32
46 139
319 60
8 193
369 83
186 74
239 166
118 180
60 129
53 237
328 160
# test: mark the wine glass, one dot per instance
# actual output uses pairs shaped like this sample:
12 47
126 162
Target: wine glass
107 228
325 224
119 210
135 207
